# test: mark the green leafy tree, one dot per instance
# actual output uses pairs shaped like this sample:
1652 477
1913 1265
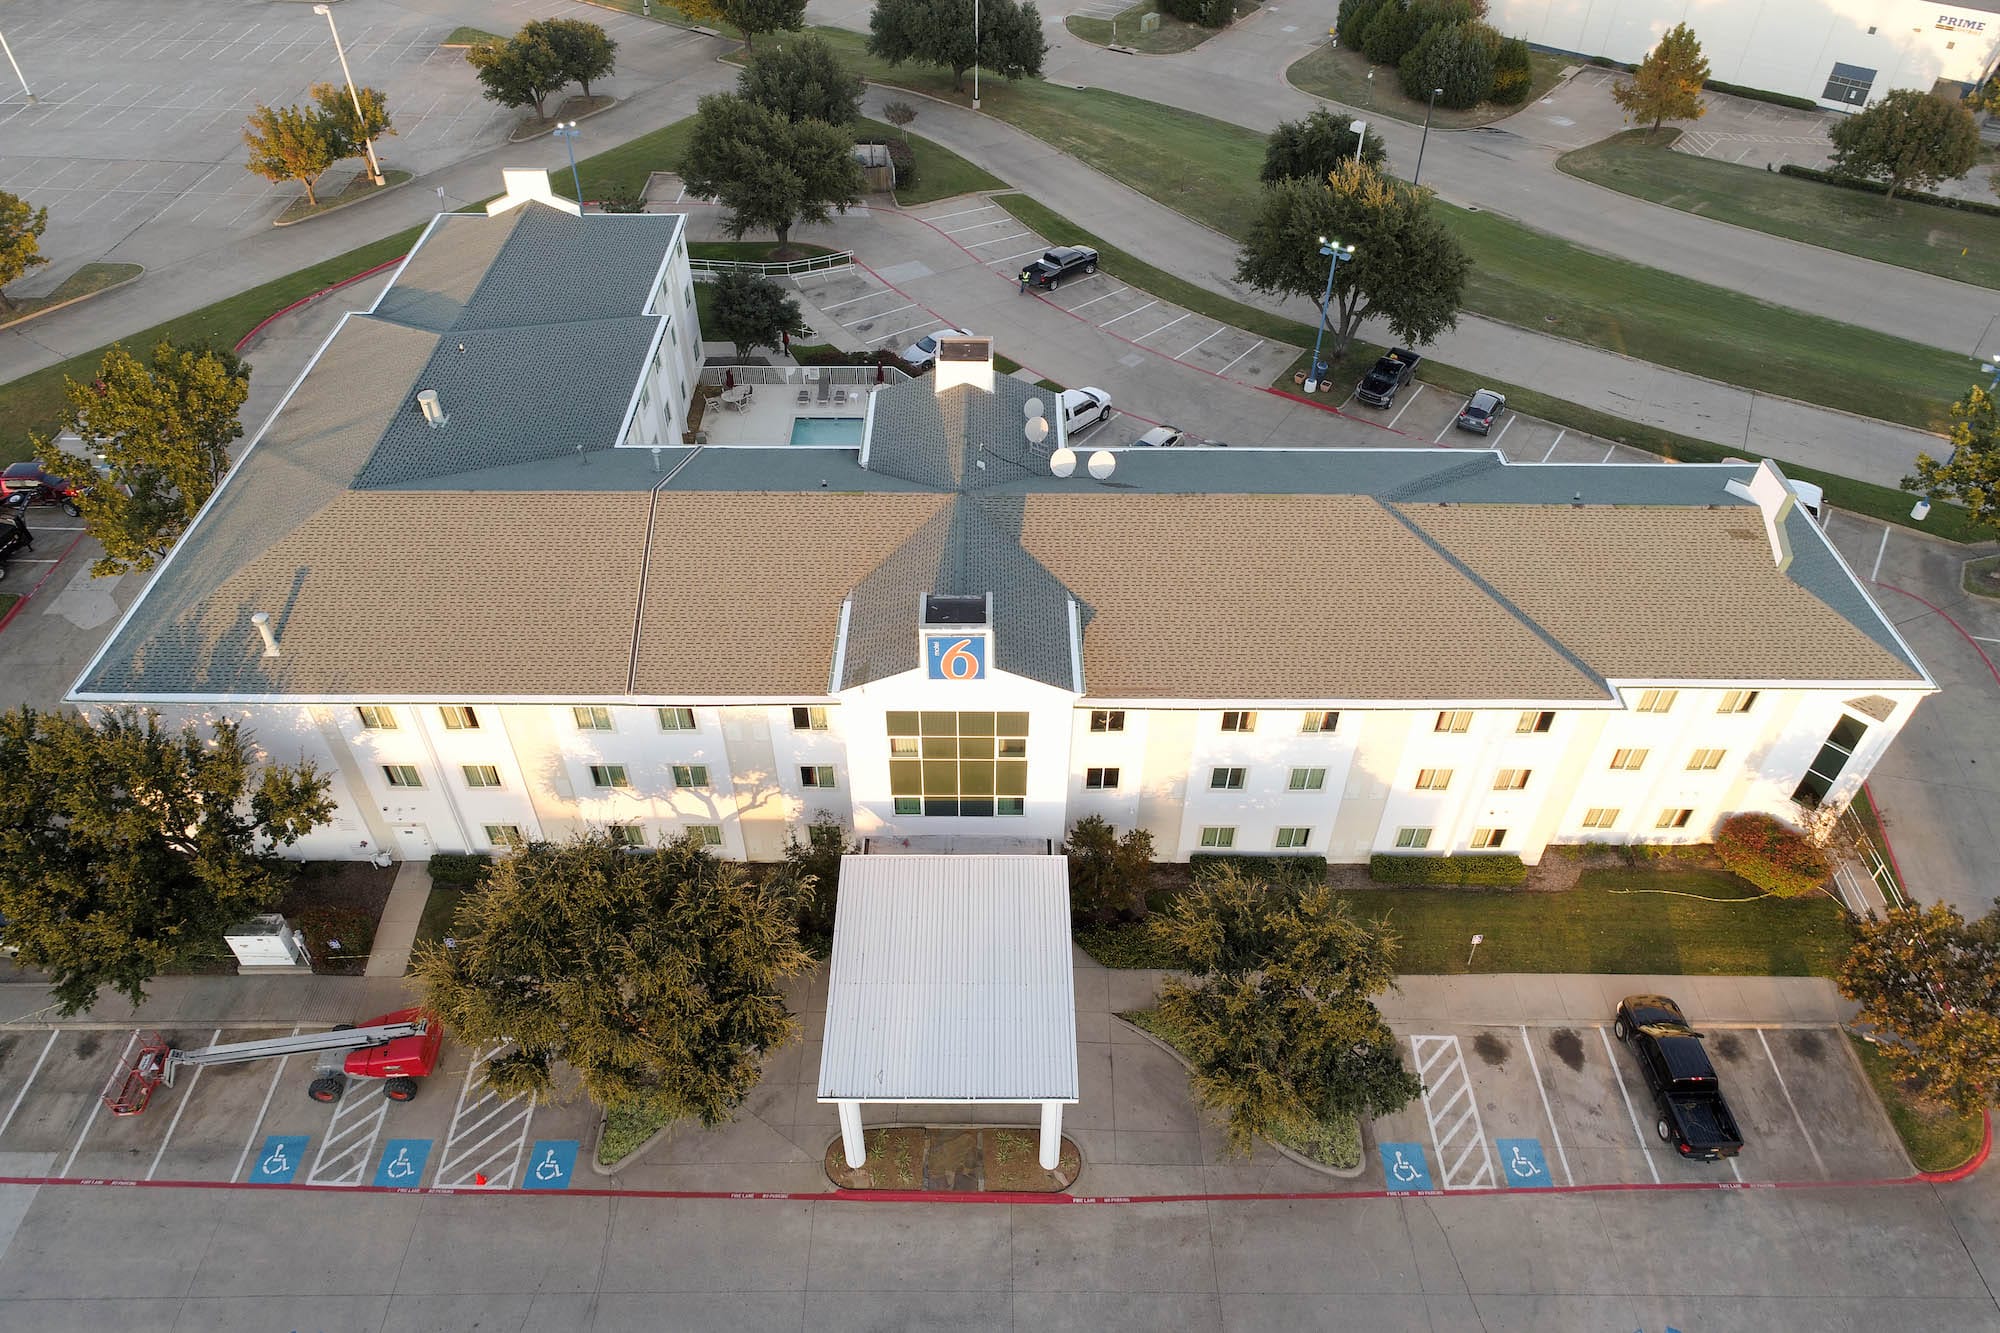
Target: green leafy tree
654 977
126 849
940 32
1109 875
1929 982
21 229
1908 138
1310 149
1407 270
802 80
1280 1025
519 71
1456 57
584 52
1667 85
1970 474
753 18
163 429
751 311
337 103
1513 73
1396 27
815 864
770 174
1352 19
293 143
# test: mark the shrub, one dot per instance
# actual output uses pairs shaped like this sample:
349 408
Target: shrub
1205 13
459 870
1455 57
1477 870
1513 73
1760 95
898 112
817 856
1878 187
1773 856
1109 876
1354 18
1397 27
1298 871
624 197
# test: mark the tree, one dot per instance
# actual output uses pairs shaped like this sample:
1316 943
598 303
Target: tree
336 102
755 17
1929 981
1970 474
751 312
1396 27
1456 57
1776 858
802 80
1280 1027
1407 268
21 229
1109 876
584 51
1667 85
164 432
654 976
292 143
1352 19
519 71
1907 138
1513 73
815 863
940 32
1313 147
125 849
768 173
898 112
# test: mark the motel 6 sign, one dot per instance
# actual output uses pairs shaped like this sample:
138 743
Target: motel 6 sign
955 657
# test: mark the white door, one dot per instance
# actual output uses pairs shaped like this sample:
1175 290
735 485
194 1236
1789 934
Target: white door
413 842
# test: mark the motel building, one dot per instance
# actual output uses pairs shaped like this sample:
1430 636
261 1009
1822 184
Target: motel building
471 571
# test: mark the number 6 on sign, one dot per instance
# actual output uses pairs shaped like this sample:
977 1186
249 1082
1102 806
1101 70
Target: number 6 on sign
954 658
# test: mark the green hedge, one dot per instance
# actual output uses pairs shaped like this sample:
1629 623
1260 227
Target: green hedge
458 870
1270 869
1476 870
1877 187
1761 95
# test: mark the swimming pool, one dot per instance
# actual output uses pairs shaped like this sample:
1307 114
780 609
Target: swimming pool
826 430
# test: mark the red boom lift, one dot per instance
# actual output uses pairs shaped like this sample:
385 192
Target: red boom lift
397 1048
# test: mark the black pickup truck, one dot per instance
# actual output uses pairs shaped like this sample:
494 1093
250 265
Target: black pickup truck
1687 1096
1378 387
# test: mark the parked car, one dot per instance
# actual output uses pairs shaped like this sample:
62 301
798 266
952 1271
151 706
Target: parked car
1163 437
1687 1096
1083 409
925 349
14 537
1065 261
26 484
1481 411
1390 373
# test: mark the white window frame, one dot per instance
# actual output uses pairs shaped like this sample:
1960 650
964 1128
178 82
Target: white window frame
403 777
1706 761
1415 838
1657 701
1107 720
1218 837
459 717
1674 817
591 717
1601 816
1239 719
708 835
1535 722
1738 701
1512 779
1629 759
1228 778
1486 839
1291 837
1321 722
1433 779
812 715
677 714
820 776
626 834
505 835
1453 721
1306 779
376 717
690 772
610 777
1099 777
481 772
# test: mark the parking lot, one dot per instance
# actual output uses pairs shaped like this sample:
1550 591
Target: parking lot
1426 414
253 1123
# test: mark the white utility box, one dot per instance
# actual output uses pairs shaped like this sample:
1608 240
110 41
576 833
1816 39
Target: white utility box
267 942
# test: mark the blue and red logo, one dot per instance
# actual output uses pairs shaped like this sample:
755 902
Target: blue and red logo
954 658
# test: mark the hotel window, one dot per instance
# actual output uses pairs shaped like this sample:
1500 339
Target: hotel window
1674 819
1239 721
1511 779
1325 721
1657 701
591 718
1292 838
608 776
1705 761
1738 701
481 775
458 717
1453 722
1107 719
708 835
1218 837
626 835
964 764
808 717
1600 816
1414 838
1101 779
816 775
690 775
1307 779
504 835
1535 722
402 775
377 717
677 719
1226 779
1483 838
1433 779
1831 759
1628 761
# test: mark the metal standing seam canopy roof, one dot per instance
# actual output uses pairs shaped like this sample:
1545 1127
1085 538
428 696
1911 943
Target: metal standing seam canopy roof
951 981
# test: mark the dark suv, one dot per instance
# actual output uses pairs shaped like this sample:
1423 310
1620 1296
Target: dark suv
1065 261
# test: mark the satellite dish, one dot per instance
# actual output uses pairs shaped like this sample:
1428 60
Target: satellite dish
1062 462
1102 463
1038 430
1032 408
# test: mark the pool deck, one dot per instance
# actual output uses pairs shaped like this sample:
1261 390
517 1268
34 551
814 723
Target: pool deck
772 409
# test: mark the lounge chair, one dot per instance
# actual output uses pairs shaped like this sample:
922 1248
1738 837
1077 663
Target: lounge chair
840 398
805 397
824 387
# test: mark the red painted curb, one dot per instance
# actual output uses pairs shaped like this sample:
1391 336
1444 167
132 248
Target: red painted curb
16 608
1969 1165
308 300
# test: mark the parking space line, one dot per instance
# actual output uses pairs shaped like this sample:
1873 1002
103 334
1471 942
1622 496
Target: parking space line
1607 455
997 240
1503 431
22 1094
181 1108
1406 405
907 328
1004 258
1441 430
349 1147
459 1156
1128 314
1220 329
1640 1134
1186 314
963 212
1000 221
1535 1067
865 296
1444 1054
1875 574
97 1105
1553 443
1095 299
1799 1119
262 1111
880 314
1225 370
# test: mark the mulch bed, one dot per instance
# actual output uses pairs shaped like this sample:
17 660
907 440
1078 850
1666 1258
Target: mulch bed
337 905
956 1159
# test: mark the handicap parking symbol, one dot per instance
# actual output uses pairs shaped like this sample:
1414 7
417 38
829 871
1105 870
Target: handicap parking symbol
402 1165
550 1164
1522 1164
278 1160
1403 1167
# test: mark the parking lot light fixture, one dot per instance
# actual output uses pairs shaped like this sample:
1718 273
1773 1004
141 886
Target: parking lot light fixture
1335 253
1418 176
368 142
566 131
32 99
1991 367
1360 128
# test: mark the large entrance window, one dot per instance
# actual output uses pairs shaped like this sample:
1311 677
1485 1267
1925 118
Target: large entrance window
1849 84
1830 760
958 764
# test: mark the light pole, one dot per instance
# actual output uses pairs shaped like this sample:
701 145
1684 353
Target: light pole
567 131
1335 253
975 55
1435 93
360 120
17 69
1360 128
1992 367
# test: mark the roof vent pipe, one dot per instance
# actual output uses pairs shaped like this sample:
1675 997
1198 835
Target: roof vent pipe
433 409
262 620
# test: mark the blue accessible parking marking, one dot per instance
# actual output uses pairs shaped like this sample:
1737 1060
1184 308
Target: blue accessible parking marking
402 1164
278 1160
1522 1164
550 1165
1403 1167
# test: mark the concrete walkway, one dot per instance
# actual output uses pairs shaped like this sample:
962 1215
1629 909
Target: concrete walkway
396 932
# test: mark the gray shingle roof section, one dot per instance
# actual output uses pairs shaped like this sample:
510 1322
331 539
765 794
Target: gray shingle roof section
559 267
941 439
440 277
1817 569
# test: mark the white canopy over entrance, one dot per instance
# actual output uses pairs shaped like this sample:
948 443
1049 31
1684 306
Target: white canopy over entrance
951 982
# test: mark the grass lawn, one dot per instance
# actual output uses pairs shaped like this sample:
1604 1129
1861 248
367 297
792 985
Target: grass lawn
1944 241
629 164
1980 577
626 1127
464 36
7 600
85 281
355 190
1341 75
1170 37
941 173
1936 1138
746 252
439 909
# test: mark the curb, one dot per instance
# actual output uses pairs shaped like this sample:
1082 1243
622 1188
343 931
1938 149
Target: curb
47 574
1969 1166
244 341
335 208
597 1140
542 134
34 315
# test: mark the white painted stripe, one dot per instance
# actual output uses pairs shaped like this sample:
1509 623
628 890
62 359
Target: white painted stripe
97 1104
22 1094
975 226
907 328
1733 1170
1226 369
852 300
1406 406
1217 334
1007 258
1503 431
1607 454
1818 1161
181 1109
1447 426
1128 314
1637 1133
1164 327
997 240
881 314
262 1111
1535 1066
963 212
1880 551
1552 446
1095 299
